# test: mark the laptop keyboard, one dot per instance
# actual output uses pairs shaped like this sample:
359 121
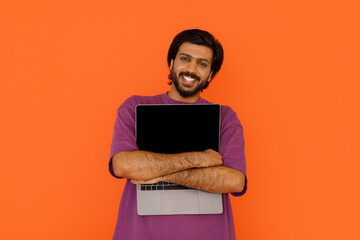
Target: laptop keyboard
162 186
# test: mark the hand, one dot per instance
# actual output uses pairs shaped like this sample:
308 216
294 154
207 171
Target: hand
214 158
150 181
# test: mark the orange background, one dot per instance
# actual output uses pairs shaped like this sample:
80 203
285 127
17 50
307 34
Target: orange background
291 72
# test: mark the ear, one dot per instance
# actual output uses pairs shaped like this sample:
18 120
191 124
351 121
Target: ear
171 64
210 77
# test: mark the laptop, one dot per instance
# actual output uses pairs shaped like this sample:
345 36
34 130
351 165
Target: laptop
166 128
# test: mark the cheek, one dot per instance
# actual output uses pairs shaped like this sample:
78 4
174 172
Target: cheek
205 74
178 67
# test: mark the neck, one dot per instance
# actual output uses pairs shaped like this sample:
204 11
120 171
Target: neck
174 94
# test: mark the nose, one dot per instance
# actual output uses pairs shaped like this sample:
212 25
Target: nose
192 66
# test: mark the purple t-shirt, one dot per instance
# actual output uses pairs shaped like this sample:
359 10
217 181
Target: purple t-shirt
209 226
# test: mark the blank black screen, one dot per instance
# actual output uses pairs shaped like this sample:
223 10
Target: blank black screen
177 128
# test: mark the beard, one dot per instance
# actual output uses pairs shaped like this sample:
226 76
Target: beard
183 91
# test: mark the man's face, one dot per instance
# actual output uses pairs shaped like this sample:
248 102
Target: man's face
191 69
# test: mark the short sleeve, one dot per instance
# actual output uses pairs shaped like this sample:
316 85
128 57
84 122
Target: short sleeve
124 131
232 145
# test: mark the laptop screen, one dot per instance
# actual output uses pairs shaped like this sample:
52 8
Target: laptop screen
178 128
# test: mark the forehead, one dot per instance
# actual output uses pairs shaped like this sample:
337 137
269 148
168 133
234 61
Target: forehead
196 51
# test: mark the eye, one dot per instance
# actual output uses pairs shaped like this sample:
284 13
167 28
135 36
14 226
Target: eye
185 59
203 64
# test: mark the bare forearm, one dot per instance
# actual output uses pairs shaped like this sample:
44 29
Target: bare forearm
217 179
143 165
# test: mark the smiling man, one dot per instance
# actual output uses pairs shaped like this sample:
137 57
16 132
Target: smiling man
194 58
190 71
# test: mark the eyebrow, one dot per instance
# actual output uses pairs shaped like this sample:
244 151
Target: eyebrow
201 59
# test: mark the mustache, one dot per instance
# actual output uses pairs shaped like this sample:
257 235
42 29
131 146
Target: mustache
189 74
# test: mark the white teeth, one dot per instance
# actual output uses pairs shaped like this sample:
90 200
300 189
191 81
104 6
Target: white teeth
189 79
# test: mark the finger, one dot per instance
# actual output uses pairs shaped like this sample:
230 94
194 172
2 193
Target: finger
152 181
138 182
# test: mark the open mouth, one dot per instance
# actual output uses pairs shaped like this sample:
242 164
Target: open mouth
189 79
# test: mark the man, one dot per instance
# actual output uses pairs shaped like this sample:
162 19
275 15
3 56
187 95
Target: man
194 58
